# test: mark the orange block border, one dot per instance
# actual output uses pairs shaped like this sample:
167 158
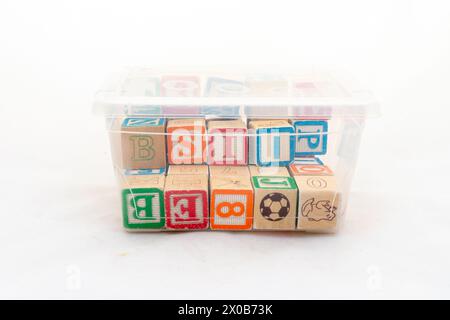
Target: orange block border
248 213
191 129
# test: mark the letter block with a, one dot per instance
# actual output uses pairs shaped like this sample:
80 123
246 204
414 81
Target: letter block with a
227 142
275 205
319 203
271 143
311 137
186 141
231 202
186 201
143 143
143 202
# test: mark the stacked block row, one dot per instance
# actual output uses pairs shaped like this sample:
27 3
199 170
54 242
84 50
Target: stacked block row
198 197
151 143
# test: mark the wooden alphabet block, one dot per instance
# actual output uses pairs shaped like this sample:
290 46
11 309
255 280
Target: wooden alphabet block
221 87
140 86
319 203
231 203
275 205
308 160
269 171
143 143
186 201
310 170
267 86
143 202
271 143
186 141
227 142
229 171
188 169
180 86
310 137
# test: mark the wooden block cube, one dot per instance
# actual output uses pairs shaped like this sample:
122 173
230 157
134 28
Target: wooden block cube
267 86
229 171
275 205
143 202
269 171
180 86
188 169
186 201
319 203
143 143
231 203
311 137
221 87
310 170
227 142
271 143
307 160
140 86
186 141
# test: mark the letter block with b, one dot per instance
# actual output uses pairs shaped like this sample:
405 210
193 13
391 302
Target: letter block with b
143 143
186 201
142 202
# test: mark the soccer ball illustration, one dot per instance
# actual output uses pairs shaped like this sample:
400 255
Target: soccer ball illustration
274 206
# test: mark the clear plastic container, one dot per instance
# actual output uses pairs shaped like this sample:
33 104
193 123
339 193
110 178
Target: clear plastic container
197 149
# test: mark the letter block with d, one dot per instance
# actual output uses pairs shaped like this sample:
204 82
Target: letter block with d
142 202
186 201
143 143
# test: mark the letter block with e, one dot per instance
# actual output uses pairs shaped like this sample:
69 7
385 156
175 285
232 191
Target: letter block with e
231 202
143 202
311 137
143 143
319 203
186 202
275 205
186 141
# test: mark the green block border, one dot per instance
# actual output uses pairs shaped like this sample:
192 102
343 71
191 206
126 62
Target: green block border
149 225
293 185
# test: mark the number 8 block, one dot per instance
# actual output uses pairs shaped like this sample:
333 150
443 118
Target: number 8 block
231 203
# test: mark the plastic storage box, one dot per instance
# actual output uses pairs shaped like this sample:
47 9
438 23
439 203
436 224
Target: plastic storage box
233 150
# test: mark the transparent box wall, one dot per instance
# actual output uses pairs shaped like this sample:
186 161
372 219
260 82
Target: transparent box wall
244 99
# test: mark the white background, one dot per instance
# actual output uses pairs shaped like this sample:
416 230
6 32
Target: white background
60 223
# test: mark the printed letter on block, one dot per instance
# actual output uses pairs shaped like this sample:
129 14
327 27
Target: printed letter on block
143 202
310 170
231 203
275 204
143 143
186 201
186 141
227 144
271 143
319 203
310 137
